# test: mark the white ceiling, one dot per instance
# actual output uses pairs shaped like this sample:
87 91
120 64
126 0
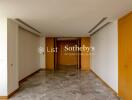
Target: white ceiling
64 17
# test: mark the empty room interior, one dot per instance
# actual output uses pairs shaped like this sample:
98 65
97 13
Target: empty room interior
65 49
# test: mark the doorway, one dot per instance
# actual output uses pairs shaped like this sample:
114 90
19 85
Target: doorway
78 58
67 56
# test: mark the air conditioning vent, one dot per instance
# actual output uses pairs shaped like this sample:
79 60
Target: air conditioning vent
27 27
101 24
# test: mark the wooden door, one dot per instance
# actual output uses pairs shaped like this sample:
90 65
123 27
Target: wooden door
125 57
67 57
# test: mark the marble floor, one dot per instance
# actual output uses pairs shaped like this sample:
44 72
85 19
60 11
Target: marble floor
63 84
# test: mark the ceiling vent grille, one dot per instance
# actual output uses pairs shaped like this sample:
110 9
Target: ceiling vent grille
27 27
101 24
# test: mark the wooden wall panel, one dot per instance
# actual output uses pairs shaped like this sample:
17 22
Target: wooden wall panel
67 58
125 57
49 55
85 57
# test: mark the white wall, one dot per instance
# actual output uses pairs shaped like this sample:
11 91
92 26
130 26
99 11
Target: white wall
19 55
42 56
104 61
29 57
12 52
3 56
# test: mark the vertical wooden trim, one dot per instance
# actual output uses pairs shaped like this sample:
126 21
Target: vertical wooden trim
79 54
54 56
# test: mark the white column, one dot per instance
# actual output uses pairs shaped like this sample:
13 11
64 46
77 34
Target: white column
3 56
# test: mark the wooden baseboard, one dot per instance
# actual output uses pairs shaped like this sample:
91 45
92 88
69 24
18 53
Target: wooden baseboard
24 79
3 97
11 94
7 97
85 70
42 69
21 81
104 83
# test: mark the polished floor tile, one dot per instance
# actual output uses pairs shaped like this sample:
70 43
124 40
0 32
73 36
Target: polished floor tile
64 85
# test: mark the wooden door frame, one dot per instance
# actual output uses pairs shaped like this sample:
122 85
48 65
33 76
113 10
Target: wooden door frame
55 54
79 54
